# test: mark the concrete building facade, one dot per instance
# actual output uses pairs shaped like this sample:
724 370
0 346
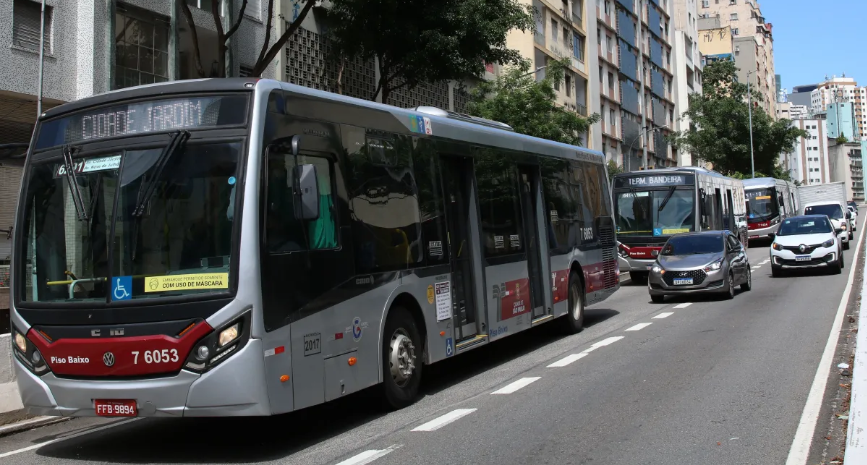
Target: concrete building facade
687 68
843 90
845 164
809 162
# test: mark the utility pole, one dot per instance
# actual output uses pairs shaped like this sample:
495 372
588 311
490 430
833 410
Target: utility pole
641 80
750 110
41 61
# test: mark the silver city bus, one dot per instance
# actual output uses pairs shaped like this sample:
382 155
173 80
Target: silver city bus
769 201
652 205
230 247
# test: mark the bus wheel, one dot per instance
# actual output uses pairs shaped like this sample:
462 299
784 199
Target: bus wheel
573 322
401 363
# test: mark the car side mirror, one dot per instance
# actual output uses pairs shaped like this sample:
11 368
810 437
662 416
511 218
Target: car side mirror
848 215
306 192
838 230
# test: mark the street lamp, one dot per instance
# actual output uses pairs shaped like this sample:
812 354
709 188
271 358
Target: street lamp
750 110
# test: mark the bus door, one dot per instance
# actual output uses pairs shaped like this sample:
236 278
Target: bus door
529 184
457 181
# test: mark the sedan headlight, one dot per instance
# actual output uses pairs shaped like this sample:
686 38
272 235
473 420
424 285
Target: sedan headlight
829 243
657 269
776 246
714 266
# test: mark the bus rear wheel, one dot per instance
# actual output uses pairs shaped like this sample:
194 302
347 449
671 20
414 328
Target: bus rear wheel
401 361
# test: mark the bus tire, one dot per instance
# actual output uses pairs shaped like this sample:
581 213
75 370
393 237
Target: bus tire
401 359
573 322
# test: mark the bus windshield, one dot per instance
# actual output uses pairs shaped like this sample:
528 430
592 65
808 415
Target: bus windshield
762 204
655 212
118 227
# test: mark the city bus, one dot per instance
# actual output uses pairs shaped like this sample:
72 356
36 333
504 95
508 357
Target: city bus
769 201
652 205
247 247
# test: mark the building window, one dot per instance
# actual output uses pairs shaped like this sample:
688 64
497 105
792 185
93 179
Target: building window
26 22
611 84
705 3
734 31
554 29
609 44
578 47
568 85
141 48
733 17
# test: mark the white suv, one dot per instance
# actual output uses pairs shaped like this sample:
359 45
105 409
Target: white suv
807 241
838 214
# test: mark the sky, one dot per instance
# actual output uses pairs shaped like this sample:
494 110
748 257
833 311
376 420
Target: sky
813 38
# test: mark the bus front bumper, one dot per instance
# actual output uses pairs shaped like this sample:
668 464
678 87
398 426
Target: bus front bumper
628 264
233 388
763 233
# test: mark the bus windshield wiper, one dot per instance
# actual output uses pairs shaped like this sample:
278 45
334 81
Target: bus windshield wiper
147 190
666 199
72 181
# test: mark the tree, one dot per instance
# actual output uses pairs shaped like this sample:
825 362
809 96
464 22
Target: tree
266 54
720 133
530 106
613 169
424 41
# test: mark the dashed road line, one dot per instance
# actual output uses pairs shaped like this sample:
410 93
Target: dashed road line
510 388
568 360
663 315
438 423
683 305
368 456
607 342
639 327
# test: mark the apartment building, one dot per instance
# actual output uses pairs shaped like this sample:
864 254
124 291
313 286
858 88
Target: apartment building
753 44
845 164
620 41
809 161
842 121
798 111
845 91
687 67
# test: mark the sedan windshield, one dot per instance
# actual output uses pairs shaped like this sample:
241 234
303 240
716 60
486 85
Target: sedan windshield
693 245
833 210
655 213
798 226
761 204
125 243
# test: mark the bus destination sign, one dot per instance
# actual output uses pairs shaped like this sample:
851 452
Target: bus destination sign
140 118
658 180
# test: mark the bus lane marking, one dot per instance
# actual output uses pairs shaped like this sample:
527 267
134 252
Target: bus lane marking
369 456
510 388
438 423
568 360
683 305
639 327
663 315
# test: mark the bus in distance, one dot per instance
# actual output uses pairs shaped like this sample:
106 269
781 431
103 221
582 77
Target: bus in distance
652 205
769 201
247 247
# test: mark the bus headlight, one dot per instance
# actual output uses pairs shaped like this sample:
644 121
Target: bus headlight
218 345
28 354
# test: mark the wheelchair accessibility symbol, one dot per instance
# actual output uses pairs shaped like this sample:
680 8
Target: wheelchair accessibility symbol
450 348
121 288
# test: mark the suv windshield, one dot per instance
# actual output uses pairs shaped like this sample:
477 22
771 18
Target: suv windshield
179 241
655 213
832 210
693 245
796 226
761 204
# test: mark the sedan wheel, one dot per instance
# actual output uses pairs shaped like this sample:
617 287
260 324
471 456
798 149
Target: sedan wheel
730 292
748 284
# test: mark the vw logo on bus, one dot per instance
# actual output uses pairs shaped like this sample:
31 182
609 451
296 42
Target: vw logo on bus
108 359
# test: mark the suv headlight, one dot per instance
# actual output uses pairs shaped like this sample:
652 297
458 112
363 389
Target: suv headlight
829 243
714 266
776 246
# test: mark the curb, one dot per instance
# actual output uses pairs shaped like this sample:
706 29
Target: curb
856 436
28 424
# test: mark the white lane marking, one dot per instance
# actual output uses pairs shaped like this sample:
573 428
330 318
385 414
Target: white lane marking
368 456
510 388
606 342
800 450
567 360
683 305
663 315
438 423
639 327
764 262
64 438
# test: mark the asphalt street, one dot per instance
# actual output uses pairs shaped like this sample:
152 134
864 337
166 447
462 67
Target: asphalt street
690 381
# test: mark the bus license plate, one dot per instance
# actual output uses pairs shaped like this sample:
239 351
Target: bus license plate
682 281
803 258
116 408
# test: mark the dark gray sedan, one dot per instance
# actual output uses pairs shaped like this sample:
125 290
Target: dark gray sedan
702 262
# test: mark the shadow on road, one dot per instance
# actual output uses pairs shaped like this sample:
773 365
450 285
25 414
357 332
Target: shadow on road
257 439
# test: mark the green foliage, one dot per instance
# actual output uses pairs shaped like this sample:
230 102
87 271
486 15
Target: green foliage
720 132
530 106
418 41
613 169
842 139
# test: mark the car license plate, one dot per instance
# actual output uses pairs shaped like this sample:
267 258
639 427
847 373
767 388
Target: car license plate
803 258
682 281
116 408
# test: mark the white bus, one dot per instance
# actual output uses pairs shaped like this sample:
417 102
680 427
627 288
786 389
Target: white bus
769 201
227 247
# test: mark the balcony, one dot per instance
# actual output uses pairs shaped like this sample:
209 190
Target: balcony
581 109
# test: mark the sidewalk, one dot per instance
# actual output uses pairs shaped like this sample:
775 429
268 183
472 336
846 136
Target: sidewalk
11 408
856 436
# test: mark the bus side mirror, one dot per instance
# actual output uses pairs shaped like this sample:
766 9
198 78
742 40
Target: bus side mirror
306 192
